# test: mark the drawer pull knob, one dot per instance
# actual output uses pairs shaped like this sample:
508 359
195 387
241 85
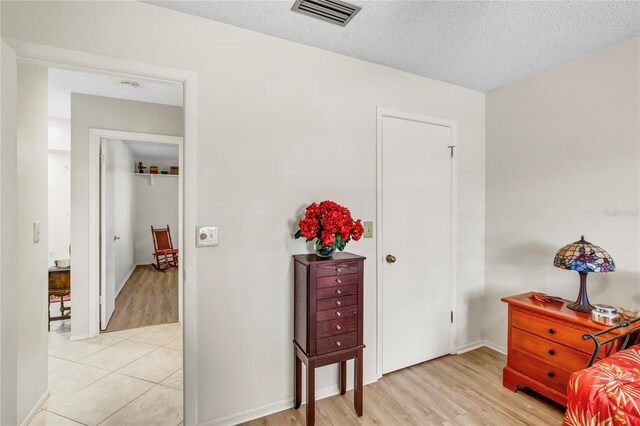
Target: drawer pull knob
551 374
338 270
552 331
338 343
338 327
338 291
338 314
552 352
338 280
338 302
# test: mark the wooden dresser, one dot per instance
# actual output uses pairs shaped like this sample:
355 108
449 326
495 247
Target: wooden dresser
545 345
328 319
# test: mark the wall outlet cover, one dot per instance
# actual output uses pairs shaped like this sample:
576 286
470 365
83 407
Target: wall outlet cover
368 229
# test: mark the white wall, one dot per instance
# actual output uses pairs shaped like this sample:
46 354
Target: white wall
32 276
279 125
59 204
103 113
122 209
8 237
562 158
59 134
156 205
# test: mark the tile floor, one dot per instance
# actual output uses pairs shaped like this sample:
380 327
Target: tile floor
128 377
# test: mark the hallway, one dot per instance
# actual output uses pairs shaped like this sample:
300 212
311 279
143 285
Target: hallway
129 377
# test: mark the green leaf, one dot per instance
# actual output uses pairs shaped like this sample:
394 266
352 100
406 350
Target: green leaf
299 234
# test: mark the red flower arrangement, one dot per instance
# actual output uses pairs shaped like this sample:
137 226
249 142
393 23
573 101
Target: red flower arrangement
331 224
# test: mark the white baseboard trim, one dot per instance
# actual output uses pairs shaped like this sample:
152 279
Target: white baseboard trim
470 347
275 407
35 408
80 337
126 278
495 347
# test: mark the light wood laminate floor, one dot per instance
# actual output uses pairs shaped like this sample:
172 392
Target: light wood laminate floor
453 390
149 297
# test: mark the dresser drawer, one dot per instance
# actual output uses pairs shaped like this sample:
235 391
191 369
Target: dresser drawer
331 314
337 269
336 343
547 374
328 292
337 326
337 280
337 302
549 351
555 331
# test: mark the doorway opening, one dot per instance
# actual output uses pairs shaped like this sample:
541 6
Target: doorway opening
124 329
139 231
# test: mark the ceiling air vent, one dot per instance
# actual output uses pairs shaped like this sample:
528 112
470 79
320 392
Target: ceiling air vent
334 11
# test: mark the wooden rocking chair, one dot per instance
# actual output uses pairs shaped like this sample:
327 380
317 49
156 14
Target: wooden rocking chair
166 256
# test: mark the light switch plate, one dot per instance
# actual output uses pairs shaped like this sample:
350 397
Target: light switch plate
207 236
368 229
36 232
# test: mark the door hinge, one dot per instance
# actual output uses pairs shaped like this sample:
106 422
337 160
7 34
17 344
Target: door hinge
451 148
451 317
101 158
101 299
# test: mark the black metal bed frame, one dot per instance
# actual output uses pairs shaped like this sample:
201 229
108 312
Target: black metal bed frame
631 337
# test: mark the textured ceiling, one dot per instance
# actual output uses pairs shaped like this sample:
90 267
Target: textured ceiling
64 82
480 45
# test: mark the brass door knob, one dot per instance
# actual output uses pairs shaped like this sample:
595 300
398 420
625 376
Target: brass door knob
390 258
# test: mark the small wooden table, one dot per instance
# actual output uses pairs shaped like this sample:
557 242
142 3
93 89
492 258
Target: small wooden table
59 287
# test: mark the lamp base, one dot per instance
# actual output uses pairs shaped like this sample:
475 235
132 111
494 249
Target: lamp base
582 303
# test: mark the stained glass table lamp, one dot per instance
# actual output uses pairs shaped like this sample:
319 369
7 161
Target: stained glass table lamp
583 257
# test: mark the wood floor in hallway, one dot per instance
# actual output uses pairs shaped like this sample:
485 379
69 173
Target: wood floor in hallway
149 297
453 390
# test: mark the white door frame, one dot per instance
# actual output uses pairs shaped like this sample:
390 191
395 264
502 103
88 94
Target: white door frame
96 214
391 113
50 56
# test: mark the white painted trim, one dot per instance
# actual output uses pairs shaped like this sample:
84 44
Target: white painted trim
275 407
495 347
126 278
44 55
80 337
470 347
380 114
35 408
96 252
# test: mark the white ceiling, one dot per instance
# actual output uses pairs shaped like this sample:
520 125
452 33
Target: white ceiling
64 82
476 44
153 150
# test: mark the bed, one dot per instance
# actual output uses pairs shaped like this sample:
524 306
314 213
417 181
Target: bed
607 392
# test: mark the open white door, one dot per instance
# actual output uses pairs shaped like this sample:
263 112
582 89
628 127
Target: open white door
416 242
108 237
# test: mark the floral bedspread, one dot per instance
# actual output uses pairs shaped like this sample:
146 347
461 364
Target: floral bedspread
606 394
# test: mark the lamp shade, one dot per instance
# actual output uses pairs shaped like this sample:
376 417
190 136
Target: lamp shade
582 256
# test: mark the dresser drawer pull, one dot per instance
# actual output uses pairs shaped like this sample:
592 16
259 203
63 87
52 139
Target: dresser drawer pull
551 374
338 291
338 327
338 280
338 343
552 352
338 314
338 302
338 270
552 331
